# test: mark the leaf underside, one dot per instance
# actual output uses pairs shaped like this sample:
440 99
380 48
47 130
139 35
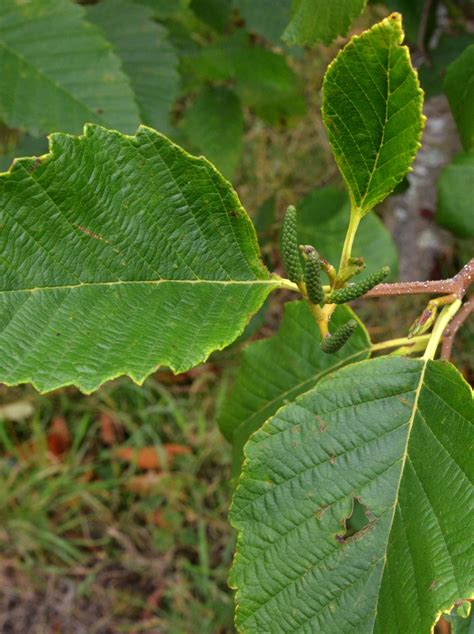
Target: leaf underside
395 435
372 110
275 371
58 72
120 254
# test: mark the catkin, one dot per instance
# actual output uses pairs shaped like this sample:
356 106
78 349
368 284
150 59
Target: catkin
289 247
353 291
334 342
312 278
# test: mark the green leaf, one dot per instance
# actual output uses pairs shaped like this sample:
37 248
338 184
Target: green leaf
120 254
262 79
433 72
214 124
393 434
322 221
275 371
372 105
147 56
455 196
215 13
266 17
459 88
58 72
321 21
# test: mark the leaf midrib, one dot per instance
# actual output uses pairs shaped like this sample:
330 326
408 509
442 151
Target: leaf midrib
402 471
269 282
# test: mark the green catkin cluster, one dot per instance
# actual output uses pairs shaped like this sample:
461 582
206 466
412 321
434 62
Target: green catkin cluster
289 247
353 291
334 342
312 278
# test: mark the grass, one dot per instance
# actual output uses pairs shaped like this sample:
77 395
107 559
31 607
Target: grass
140 550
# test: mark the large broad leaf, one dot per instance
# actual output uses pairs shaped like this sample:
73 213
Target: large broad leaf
276 370
58 72
459 88
120 254
214 124
322 221
147 55
372 111
321 21
266 17
455 196
396 436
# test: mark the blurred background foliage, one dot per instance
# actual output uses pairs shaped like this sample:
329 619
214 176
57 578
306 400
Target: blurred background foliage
113 507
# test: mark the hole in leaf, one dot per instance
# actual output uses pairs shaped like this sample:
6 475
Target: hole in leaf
357 523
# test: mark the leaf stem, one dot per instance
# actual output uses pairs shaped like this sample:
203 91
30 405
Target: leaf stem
443 320
403 341
354 221
453 327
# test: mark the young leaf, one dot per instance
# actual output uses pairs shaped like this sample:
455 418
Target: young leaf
393 434
58 72
372 105
147 55
276 370
455 196
120 254
322 220
321 21
214 124
459 88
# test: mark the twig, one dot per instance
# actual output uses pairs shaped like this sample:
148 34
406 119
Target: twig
456 323
456 285
423 26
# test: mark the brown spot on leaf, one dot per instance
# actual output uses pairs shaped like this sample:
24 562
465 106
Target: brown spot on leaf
91 234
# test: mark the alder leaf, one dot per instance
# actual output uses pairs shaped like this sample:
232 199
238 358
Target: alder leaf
459 88
455 195
322 221
321 21
394 435
147 55
275 371
372 110
120 254
214 124
58 72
